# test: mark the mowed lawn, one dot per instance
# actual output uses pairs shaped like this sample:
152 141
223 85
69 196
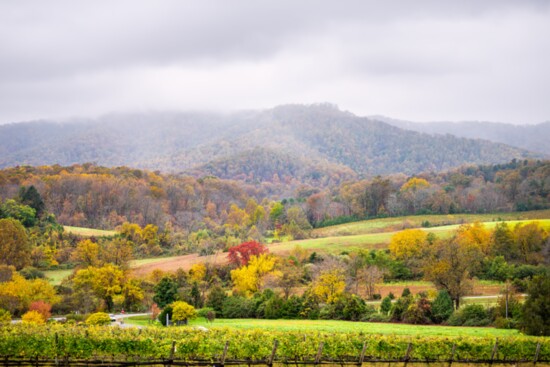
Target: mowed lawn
340 327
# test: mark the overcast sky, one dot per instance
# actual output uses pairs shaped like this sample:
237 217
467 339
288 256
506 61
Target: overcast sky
414 60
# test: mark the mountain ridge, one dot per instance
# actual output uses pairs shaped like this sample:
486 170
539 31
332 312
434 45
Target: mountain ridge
303 142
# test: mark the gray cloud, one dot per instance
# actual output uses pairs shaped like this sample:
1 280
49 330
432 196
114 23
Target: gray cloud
422 60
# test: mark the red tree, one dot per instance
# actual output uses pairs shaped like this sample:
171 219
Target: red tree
240 255
42 308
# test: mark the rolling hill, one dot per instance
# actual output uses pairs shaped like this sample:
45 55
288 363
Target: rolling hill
530 137
316 143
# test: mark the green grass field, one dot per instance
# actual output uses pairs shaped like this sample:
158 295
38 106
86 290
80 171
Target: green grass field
395 224
340 326
89 232
377 240
57 276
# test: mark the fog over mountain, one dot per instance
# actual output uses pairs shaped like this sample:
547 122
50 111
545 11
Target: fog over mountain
530 137
298 141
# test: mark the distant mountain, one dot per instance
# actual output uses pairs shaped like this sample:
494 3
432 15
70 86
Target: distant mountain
315 144
530 137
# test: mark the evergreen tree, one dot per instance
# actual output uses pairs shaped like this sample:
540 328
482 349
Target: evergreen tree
385 307
442 307
536 309
31 197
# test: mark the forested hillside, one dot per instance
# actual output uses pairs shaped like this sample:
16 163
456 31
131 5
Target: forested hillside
93 196
316 144
530 137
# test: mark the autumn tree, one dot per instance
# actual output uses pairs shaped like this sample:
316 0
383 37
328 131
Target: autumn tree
15 247
530 239
117 251
329 285
240 255
42 308
106 282
249 278
410 246
17 294
503 242
475 235
450 264
86 253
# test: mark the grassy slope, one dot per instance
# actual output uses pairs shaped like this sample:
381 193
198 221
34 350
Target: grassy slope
395 224
373 240
88 232
341 326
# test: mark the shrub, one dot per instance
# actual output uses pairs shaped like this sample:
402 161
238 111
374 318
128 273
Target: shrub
98 318
203 312
76 317
238 308
182 311
33 317
470 315
5 316
30 273
378 317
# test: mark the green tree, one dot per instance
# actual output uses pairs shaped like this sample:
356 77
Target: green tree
23 213
385 306
442 307
536 309
15 247
166 292
31 197
215 298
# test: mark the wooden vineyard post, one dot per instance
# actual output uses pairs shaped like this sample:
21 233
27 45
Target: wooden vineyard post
537 352
225 348
452 354
319 353
362 355
272 357
494 354
408 354
56 348
172 352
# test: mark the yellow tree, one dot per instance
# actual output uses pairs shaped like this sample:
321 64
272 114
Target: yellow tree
475 235
105 282
330 285
450 265
15 248
18 293
249 278
86 253
408 244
